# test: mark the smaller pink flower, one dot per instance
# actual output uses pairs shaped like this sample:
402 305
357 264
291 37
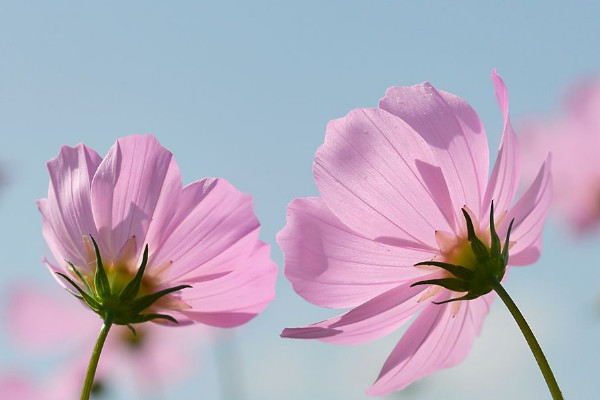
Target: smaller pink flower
199 243
15 386
155 358
574 140
405 199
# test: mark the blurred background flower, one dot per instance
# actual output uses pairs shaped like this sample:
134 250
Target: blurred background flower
49 324
572 135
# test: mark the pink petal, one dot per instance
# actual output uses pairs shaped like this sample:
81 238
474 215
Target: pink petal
213 230
134 193
454 132
67 214
379 177
369 321
437 339
505 175
237 297
529 214
332 266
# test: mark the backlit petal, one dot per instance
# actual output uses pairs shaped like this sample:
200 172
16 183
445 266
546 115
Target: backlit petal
505 175
237 297
379 177
369 321
213 230
454 132
134 193
437 339
332 266
530 214
66 214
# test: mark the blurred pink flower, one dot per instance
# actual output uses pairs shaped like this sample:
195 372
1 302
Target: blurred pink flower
157 357
574 141
204 234
15 386
393 181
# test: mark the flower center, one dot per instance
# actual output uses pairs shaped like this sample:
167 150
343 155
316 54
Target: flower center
460 254
470 266
120 295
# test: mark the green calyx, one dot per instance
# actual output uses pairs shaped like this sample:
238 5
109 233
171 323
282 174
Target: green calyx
125 306
489 268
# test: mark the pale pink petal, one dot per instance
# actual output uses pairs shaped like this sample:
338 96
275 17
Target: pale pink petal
437 339
66 214
379 177
134 193
369 321
454 132
236 297
213 230
504 180
529 214
332 266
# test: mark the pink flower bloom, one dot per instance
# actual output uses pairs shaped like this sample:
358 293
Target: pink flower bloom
204 234
574 140
155 358
393 181
18 387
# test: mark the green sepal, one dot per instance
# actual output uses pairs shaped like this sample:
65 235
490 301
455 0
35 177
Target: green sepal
149 317
506 243
495 249
132 329
100 278
133 287
457 270
90 301
468 296
479 249
80 276
124 308
489 269
146 301
75 295
454 284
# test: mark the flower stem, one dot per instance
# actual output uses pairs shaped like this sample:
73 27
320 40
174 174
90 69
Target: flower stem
531 341
91 371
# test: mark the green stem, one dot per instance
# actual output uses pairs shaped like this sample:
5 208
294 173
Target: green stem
531 341
91 371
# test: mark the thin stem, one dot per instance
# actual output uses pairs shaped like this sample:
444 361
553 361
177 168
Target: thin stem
91 371
531 341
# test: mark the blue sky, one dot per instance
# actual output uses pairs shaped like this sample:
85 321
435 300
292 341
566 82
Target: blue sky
243 90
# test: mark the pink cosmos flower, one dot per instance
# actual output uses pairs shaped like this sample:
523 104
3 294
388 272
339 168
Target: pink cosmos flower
155 358
204 235
15 386
393 183
574 140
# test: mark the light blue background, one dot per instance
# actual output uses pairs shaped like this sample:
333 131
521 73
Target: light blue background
243 90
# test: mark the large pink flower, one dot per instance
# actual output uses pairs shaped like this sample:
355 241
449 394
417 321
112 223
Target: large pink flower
574 140
393 183
204 235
